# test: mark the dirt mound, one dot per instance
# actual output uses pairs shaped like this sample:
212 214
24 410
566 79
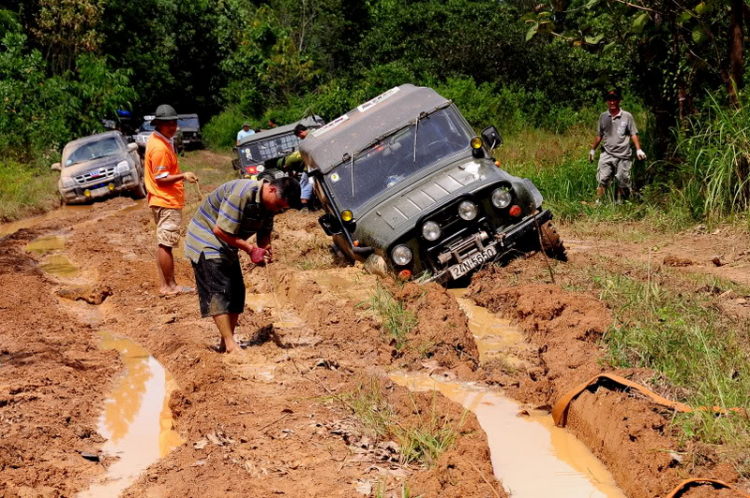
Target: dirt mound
623 429
676 261
442 332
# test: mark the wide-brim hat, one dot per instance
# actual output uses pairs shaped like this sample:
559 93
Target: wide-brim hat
613 94
165 112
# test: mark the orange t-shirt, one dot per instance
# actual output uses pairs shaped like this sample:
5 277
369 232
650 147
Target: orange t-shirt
161 161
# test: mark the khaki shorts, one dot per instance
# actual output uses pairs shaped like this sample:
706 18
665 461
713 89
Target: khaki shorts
610 166
168 224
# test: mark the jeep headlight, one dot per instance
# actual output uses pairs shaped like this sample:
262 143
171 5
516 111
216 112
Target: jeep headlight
431 231
401 255
501 198
467 210
122 167
68 182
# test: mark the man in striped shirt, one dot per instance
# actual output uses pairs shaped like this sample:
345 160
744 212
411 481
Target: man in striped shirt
219 230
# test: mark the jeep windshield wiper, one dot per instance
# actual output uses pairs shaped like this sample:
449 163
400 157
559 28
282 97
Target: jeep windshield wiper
416 130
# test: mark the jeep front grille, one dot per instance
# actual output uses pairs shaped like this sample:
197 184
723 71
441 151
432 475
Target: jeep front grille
96 175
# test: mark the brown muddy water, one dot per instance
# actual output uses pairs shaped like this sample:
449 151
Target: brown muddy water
10 228
136 420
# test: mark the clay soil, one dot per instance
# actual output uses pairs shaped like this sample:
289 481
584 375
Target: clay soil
280 418
283 418
631 435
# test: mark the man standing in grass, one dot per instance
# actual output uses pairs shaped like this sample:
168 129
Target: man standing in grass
166 195
616 129
220 228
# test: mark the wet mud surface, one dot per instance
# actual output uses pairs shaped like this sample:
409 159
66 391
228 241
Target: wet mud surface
282 417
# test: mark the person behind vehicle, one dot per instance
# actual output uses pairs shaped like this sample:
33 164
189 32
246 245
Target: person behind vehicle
293 162
166 195
616 129
220 228
244 132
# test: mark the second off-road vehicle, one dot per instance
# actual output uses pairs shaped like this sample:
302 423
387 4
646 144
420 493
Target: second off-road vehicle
408 186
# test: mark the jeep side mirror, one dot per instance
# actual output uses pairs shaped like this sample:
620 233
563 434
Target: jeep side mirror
491 137
330 225
56 167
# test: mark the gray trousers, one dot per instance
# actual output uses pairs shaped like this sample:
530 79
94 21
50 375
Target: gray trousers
610 166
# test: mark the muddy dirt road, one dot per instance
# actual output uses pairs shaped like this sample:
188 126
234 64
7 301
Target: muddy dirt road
323 402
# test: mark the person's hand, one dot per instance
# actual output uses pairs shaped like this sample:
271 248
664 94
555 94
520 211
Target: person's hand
190 176
258 255
640 154
591 155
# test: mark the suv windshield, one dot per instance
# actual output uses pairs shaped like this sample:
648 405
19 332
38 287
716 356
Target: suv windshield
93 150
147 126
188 123
399 156
270 148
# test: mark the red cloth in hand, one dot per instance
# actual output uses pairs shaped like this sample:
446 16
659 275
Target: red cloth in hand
258 255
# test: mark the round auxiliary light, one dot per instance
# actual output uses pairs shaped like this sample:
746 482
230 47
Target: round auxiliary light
515 211
501 198
467 210
401 255
404 274
347 215
431 231
476 143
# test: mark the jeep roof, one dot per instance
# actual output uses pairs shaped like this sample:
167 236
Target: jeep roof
310 122
369 123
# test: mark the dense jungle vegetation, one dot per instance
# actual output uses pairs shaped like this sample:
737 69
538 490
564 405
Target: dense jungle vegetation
535 70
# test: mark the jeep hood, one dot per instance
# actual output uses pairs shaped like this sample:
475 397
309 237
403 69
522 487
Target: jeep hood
388 220
101 162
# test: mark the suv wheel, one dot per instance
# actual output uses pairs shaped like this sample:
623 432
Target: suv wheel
552 243
140 191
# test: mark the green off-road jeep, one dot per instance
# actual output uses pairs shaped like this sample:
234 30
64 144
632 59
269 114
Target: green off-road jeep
408 187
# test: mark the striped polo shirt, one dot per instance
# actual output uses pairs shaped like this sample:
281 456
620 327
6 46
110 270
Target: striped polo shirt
235 207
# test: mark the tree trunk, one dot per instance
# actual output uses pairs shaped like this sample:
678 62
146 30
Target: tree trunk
736 69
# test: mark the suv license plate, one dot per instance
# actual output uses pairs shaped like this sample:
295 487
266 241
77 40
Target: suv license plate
471 263
99 191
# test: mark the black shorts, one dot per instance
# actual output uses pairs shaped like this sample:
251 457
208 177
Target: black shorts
221 289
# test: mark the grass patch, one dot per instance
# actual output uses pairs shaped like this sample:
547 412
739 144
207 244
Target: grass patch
422 443
397 320
685 338
26 190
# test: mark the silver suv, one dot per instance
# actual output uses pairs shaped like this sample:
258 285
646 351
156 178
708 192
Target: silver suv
98 166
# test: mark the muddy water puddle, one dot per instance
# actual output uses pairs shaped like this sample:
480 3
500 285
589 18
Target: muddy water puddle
495 337
136 420
10 228
529 455
59 265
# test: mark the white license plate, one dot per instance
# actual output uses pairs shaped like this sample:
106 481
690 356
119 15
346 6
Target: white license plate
466 266
99 191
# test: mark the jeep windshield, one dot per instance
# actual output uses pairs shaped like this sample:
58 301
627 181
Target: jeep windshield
188 123
93 150
393 160
271 148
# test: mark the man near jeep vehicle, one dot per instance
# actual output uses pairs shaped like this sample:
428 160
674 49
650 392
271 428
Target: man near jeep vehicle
293 162
244 132
166 195
616 128
219 229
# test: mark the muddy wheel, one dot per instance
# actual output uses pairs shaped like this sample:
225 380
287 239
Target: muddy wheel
140 191
552 243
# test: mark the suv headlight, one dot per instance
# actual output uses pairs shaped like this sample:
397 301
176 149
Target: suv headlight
501 198
401 255
68 182
467 210
431 231
122 167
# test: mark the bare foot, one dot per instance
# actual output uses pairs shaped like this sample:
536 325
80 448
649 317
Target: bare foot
176 290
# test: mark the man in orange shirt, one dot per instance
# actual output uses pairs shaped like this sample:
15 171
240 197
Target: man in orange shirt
166 194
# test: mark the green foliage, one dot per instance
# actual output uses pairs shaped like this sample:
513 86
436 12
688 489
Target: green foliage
25 190
715 174
221 131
